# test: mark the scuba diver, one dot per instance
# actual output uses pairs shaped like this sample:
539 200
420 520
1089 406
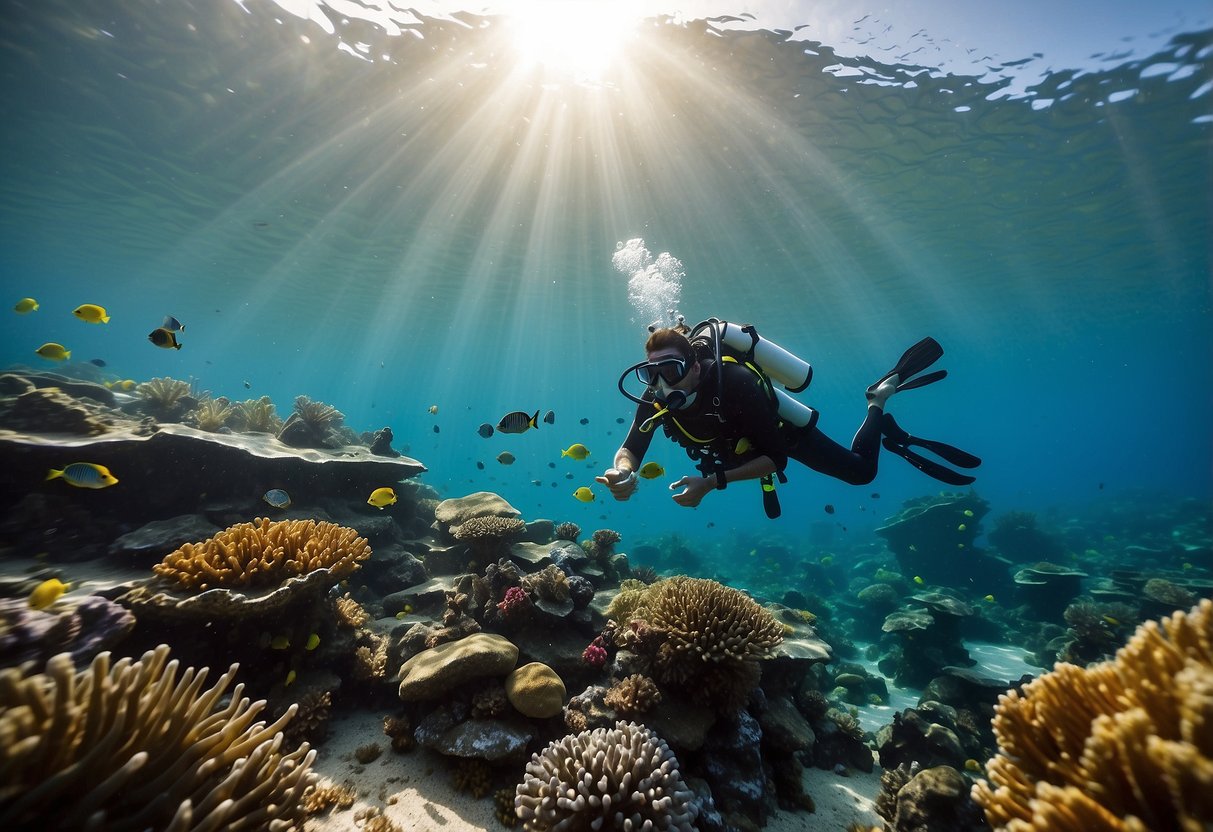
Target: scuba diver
711 389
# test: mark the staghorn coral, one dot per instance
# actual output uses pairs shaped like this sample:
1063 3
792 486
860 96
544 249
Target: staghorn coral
349 612
1122 745
624 777
256 416
637 694
129 745
264 553
714 636
163 396
567 531
370 661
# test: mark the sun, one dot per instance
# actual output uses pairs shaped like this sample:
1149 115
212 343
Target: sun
580 39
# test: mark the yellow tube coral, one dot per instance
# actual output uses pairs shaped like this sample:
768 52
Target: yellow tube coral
1123 745
264 553
130 746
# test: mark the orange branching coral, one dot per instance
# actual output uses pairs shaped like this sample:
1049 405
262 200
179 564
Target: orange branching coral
350 613
264 553
1122 745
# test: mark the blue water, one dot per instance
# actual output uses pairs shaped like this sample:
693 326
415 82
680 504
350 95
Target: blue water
386 222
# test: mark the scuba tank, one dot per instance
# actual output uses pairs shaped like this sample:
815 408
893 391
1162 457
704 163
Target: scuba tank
773 360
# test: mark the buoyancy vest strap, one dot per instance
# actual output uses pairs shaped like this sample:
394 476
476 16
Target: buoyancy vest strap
651 423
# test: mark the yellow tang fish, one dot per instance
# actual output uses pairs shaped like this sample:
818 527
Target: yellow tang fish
91 313
128 384
577 451
84 475
382 497
54 352
313 641
47 593
651 470
584 494
25 306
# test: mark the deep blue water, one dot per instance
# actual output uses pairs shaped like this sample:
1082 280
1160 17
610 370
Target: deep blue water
415 220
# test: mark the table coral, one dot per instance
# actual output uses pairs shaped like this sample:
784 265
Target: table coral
133 745
1122 745
624 777
263 553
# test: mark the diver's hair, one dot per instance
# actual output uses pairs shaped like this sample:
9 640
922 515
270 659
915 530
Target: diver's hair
665 338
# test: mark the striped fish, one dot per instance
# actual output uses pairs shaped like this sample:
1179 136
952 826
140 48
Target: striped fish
518 422
85 475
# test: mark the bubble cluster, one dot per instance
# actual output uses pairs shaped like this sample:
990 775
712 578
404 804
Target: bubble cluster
654 285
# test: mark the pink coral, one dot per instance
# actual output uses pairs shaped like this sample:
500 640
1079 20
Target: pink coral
595 655
515 601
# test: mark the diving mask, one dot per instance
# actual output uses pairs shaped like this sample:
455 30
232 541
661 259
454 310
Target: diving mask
670 370
659 377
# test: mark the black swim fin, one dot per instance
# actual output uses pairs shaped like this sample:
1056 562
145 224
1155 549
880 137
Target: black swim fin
914 360
898 441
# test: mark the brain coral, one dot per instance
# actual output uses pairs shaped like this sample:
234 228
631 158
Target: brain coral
264 553
714 636
1121 745
623 778
130 746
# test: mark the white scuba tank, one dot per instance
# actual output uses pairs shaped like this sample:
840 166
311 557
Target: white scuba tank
790 371
792 410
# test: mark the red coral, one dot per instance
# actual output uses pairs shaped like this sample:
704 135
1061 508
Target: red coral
515 601
595 655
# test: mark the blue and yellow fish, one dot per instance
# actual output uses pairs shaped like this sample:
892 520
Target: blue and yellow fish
84 475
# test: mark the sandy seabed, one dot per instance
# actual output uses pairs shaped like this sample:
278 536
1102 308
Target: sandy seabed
415 791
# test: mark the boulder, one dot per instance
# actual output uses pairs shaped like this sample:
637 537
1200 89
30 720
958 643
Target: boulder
433 672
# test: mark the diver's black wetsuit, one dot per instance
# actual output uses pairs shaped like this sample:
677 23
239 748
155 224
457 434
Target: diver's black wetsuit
746 411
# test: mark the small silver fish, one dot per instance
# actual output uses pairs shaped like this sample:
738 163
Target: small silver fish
277 498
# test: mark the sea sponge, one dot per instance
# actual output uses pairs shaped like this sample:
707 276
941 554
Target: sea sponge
1121 745
624 777
637 694
130 746
714 636
264 553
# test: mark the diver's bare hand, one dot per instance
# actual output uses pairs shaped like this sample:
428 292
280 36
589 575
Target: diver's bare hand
693 490
622 484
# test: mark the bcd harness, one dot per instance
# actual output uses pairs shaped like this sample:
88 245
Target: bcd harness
707 453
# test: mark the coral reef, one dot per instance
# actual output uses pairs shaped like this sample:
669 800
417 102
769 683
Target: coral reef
624 777
312 425
549 590
255 416
263 553
535 690
1126 744
1017 537
349 612
173 757
322 798
636 694
567 531
472 776
713 638
50 410
212 414
488 536
165 398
